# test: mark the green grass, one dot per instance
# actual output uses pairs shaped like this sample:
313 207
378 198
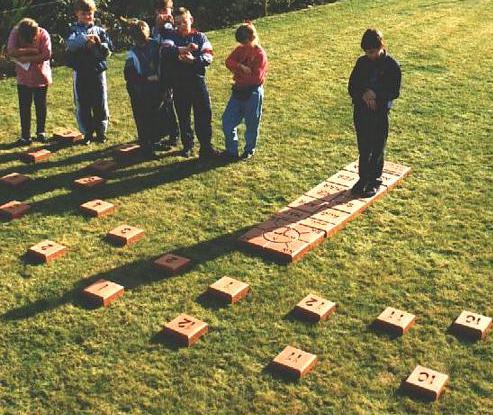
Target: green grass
426 247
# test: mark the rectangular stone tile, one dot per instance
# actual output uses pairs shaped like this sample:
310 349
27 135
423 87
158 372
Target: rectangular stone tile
294 362
104 292
14 210
426 383
229 289
185 330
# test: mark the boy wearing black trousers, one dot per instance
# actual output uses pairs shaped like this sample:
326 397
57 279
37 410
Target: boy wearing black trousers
189 53
373 85
142 77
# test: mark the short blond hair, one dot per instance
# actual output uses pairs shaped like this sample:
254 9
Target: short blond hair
84 5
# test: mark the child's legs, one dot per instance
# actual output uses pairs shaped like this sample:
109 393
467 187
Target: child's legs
202 114
183 105
100 104
363 127
25 101
379 140
82 101
253 115
136 110
40 105
232 117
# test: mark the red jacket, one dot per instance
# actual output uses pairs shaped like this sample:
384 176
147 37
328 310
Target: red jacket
255 58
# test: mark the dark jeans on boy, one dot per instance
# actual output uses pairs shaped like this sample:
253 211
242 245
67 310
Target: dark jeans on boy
194 95
92 103
26 96
146 107
372 129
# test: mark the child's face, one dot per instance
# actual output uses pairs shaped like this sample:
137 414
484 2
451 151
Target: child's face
374 54
85 17
184 24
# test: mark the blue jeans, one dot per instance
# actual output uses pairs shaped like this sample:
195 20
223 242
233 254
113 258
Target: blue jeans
236 111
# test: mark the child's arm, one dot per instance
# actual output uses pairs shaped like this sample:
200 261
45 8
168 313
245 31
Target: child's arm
356 89
43 52
76 40
232 62
257 70
392 85
12 46
204 54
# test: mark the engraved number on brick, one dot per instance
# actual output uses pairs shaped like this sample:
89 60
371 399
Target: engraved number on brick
186 323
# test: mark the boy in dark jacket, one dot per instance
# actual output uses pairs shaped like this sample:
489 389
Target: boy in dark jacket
88 47
141 74
189 53
373 85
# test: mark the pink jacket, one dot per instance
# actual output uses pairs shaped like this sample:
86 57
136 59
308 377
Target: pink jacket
38 74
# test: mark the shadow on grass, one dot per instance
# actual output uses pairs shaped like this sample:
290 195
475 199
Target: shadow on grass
122 183
131 276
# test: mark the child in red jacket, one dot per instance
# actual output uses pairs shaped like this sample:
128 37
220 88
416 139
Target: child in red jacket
248 63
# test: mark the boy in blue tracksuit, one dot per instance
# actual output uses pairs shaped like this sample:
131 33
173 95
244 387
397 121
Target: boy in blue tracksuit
88 47
142 77
189 53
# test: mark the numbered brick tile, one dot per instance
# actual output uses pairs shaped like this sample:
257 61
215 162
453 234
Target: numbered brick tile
254 238
395 321
327 190
471 325
89 182
287 251
14 180
128 152
171 263
352 167
426 383
307 204
46 251
349 204
67 135
185 330
36 156
97 208
103 167
333 216
229 289
345 178
294 362
125 235
14 210
396 169
314 308
315 223
104 292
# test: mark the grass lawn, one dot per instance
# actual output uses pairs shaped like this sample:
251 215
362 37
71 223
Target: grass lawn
425 248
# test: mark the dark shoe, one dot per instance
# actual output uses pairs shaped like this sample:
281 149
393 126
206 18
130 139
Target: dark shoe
247 155
24 141
187 153
173 141
359 188
227 156
101 139
371 190
41 137
87 140
161 146
209 154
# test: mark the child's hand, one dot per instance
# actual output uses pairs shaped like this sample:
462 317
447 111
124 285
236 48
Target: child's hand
370 99
187 57
245 69
193 47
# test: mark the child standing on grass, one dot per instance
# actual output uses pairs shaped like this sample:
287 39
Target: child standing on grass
29 46
88 47
248 63
164 25
373 85
189 53
141 75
